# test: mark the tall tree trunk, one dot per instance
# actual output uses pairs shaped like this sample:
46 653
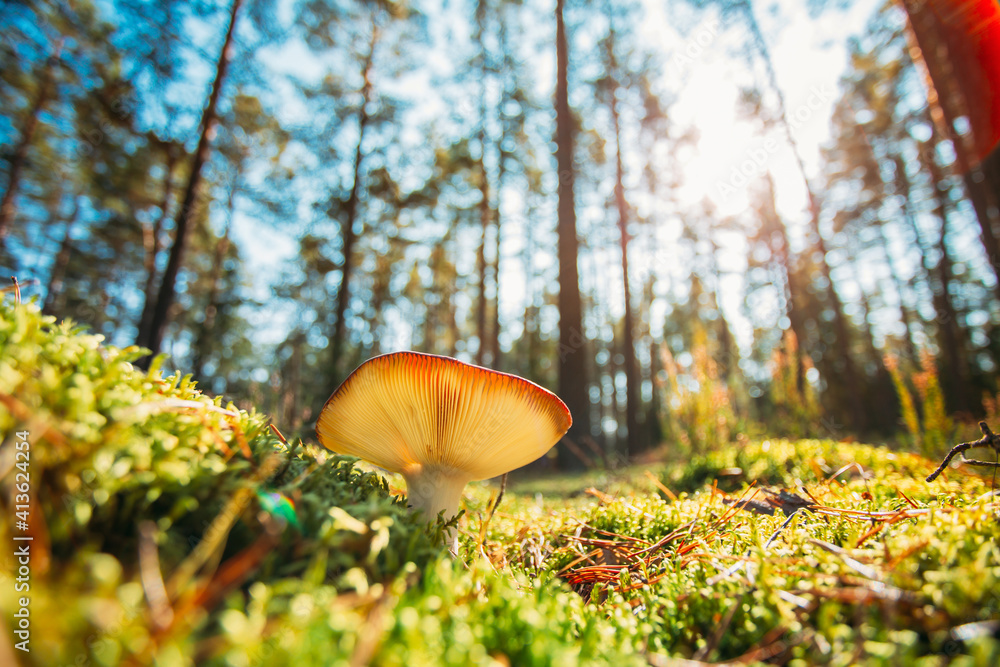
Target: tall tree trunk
946 318
349 236
430 327
951 336
653 427
494 328
634 442
453 330
381 294
152 336
19 157
878 391
507 79
727 356
852 382
205 341
530 317
291 383
851 378
612 407
794 294
484 222
151 241
905 314
928 50
57 276
573 386
485 212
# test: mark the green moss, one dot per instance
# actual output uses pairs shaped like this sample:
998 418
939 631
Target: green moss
113 447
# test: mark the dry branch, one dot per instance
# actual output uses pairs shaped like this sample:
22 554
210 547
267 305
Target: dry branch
990 440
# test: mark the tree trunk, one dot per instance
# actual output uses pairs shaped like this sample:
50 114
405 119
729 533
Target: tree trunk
453 330
484 222
851 383
151 242
946 314
348 234
851 378
926 45
654 427
204 343
485 213
727 357
573 388
783 255
291 383
900 185
502 156
633 441
612 407
878 391
951 336
57 275
905 314
530 317
19 157
152 336
494 329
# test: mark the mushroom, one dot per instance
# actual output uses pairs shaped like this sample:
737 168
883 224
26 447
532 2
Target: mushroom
440 423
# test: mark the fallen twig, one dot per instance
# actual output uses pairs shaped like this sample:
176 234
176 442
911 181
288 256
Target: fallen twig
990 440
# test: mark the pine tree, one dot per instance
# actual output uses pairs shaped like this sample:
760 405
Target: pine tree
573 381
152 336
612 95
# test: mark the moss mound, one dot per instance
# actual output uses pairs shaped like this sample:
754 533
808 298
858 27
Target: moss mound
169 528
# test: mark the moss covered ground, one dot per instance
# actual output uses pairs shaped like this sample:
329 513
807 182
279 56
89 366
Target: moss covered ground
169 528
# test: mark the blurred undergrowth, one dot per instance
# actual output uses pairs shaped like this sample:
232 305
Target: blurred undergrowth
707 406
172 529
922 404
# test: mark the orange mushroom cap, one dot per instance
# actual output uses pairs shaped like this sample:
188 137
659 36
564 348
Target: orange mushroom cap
441 423
408 411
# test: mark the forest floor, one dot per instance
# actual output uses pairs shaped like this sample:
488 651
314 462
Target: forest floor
167 528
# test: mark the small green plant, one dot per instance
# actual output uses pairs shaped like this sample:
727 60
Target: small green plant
701 409
926 419
792 395
938 427
907 405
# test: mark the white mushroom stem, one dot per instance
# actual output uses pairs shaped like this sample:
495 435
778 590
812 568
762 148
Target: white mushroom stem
435 488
